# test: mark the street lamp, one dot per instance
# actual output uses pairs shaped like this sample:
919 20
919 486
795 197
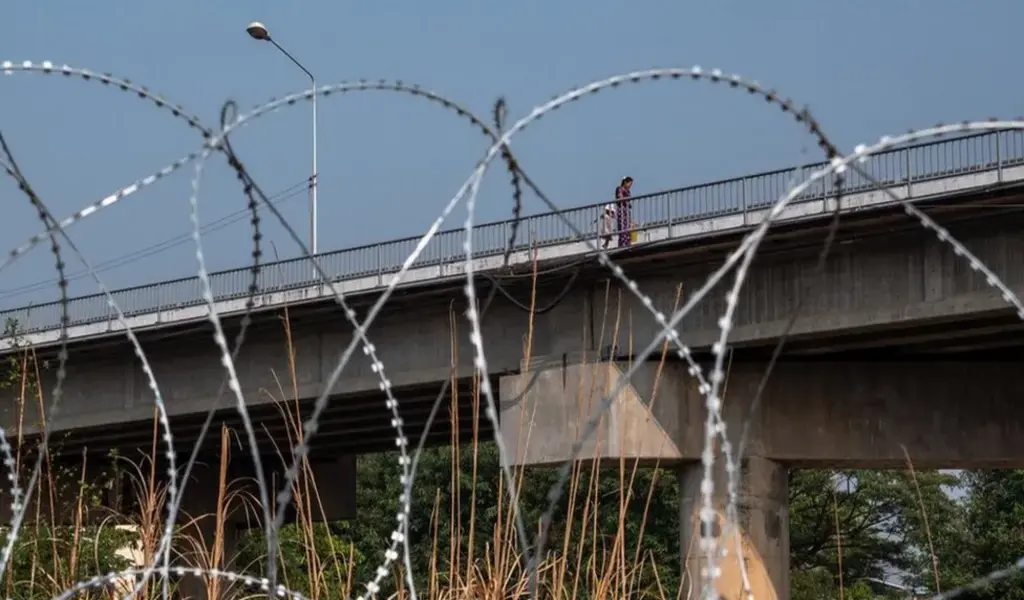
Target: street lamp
258 31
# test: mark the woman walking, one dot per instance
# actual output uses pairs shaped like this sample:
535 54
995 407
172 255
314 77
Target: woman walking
625 222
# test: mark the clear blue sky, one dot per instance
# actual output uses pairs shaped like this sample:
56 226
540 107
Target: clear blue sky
387 164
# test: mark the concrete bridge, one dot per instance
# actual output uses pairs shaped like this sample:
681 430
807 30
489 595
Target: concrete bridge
887 279
859 381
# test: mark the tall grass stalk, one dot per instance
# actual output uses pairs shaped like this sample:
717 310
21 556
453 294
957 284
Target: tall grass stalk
588 558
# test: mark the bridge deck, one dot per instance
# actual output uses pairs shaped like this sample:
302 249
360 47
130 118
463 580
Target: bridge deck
914 172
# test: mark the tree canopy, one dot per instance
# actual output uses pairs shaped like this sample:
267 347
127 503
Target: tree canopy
894 526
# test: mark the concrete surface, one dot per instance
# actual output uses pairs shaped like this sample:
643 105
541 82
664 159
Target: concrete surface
871 284
545 413
761 541
455 269
854 414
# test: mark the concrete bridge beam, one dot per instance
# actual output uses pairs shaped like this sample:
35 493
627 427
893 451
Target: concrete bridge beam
813 414
870 286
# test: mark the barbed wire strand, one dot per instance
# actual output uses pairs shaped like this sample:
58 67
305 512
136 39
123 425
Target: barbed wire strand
741 258
500 114
18 516
696 73
105 79
227 111
284 195
176 111
839 166
274 105
86 75
310 425
18 509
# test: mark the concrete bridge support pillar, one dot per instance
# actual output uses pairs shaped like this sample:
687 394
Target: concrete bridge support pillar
333 499
761 543
658 417
335 480
199 544
814 414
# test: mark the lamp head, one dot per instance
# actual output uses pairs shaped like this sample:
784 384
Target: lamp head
258 31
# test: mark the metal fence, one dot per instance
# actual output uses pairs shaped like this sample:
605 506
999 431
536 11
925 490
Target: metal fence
911 164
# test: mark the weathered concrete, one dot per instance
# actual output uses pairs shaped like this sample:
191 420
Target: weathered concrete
818 414
336 489
179 300
862 414
881 282
761 539
812 414
875 284
214 516
211 517
545 413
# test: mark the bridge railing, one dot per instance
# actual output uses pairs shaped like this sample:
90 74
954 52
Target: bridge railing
907 165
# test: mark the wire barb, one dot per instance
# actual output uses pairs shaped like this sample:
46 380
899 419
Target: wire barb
500 133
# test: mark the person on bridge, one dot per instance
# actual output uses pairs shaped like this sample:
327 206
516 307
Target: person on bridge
625 222
606 224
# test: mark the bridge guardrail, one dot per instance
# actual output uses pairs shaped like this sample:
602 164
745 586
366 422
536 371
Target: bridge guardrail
908 165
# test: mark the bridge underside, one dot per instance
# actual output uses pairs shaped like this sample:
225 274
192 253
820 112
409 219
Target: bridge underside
361 424
889 290
350 425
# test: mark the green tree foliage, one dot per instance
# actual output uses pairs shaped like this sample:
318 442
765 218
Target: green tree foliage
75 540
989 536
448 506
313 560
47 558
483 502
51 552
880 516
881 521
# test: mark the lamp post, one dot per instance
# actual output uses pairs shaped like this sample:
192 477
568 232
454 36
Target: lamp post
258 31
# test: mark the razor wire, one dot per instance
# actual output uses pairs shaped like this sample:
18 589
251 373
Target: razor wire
737 262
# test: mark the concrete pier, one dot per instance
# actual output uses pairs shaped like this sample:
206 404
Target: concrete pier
852 414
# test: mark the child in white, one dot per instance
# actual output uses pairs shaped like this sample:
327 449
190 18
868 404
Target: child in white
607 224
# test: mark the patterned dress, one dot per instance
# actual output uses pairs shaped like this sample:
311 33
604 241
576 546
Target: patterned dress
624 220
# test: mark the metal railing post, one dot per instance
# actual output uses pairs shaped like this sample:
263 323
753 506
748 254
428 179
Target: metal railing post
380 264
668 213
999 156
441 258
910 177
743 199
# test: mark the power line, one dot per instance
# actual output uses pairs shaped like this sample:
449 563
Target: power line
142 253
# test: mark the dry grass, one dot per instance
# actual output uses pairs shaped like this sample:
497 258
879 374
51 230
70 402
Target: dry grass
924 518
587 561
